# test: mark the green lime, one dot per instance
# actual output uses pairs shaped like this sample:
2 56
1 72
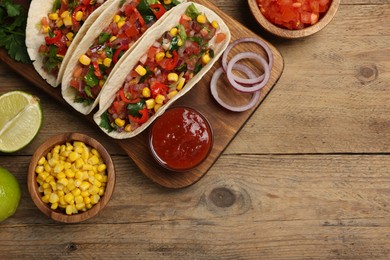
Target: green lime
20 121
9 194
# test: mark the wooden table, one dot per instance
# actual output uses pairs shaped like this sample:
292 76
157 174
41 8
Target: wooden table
308 176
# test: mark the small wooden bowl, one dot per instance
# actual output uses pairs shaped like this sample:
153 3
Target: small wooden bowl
293 34
33 185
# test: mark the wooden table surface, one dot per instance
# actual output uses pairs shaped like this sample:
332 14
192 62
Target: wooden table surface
308 176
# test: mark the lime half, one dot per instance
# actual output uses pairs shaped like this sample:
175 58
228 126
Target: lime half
20 121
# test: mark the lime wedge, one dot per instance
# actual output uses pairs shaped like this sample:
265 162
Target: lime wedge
20 121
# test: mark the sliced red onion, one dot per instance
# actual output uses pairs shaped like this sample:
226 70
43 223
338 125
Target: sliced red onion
246 55
252 80
214 91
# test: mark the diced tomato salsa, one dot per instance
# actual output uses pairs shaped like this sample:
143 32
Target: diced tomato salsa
127 26
59 28
168 64
294 14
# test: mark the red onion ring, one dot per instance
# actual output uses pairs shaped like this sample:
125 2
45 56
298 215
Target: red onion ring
254 87
214 92
252 80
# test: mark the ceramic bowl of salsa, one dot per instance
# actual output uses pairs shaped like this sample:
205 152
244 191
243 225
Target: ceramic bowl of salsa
180 139
313 16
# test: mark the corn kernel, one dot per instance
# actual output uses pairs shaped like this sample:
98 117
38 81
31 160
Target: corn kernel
85 60
140 70
67 21
168 54
69 210
79 15
63 181
159 56
107 62
206 58
116 18
159 99
85 194
95 198
80 206
150 103
201 18
121 23
113 38
46 198
93 160
119 122
172 94
60 193
69 36
95 152
65 14
61 175
54 205
102 167
39 169
215 24
45 29
84 186
146 92
128 128
173 31
79 163
59 23
87 200
167 2
180 42
53 185
101 191
173 77
157 107
53 16
180 84
42 161
93 190
78 199
77 182
53 198
76 192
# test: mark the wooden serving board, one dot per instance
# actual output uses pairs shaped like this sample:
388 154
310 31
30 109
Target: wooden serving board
225 124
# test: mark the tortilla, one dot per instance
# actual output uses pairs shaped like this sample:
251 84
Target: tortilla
104 20
34 39
119 75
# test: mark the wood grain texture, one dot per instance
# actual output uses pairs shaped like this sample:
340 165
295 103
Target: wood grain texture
307 177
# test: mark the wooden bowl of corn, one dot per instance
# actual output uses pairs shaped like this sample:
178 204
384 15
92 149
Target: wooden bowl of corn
71 177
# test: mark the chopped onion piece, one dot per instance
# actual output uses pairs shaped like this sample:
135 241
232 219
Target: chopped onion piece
214 92
254 87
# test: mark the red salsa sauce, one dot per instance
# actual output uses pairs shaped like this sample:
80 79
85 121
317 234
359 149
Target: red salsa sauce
180 139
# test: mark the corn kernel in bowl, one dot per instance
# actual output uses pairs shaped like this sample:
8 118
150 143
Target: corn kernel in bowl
71 177
68 170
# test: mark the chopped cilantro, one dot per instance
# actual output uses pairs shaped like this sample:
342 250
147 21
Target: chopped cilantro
13 20
105 123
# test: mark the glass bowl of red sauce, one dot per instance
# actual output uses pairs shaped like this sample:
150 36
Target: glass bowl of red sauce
180 139
293 18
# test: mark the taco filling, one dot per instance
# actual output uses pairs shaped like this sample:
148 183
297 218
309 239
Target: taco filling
173 59
127 26
60 26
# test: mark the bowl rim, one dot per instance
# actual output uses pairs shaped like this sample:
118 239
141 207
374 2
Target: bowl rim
293 34
157 159
43 149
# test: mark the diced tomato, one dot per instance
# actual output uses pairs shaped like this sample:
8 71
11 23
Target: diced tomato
293 14
119 107
170 63
158 88
185 21
132 31
220 37
158 10
152 53
193 48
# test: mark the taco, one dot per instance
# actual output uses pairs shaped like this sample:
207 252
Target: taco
107 42
162 67
54 28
